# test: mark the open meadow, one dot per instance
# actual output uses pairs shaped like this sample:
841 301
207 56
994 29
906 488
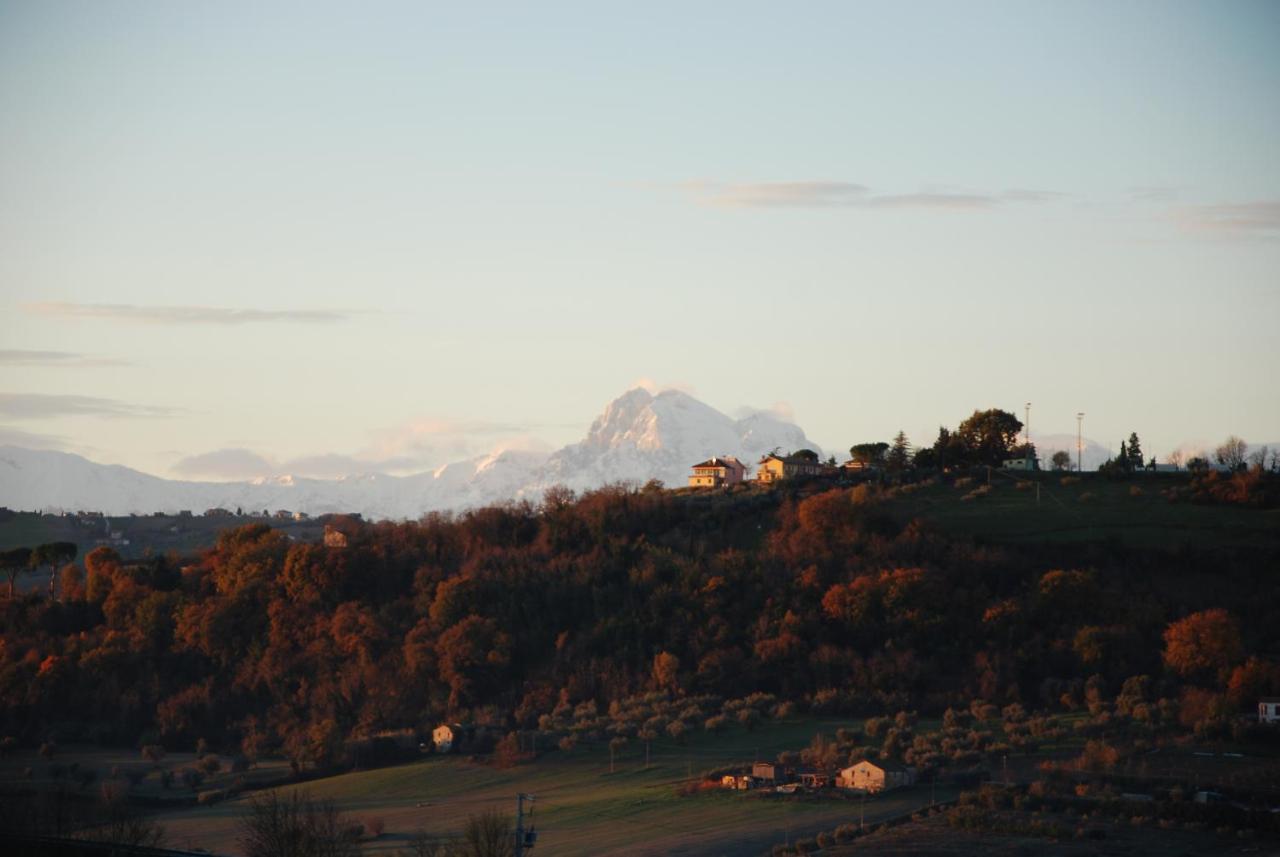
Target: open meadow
581 807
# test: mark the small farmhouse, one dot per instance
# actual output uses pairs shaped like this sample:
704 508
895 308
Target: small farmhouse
718 472
768 772
1269 709
446 736
774 468
1026 462
334 538
875 776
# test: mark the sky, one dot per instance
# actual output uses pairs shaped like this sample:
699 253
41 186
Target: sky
324 238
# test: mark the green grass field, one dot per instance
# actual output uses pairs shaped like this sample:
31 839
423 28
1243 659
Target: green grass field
155 534
581 807
1091 509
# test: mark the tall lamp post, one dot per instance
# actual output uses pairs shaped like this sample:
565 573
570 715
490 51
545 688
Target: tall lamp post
1079 441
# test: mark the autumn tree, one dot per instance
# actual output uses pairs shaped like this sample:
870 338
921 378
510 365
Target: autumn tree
1061 460
473 655
666 671
101 566
1203 645
1252 680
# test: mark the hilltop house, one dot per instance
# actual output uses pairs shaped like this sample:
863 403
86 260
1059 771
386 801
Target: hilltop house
777 467
718 472
875 776
333 537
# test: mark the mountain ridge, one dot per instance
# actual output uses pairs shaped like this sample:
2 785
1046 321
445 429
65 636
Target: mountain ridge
639 436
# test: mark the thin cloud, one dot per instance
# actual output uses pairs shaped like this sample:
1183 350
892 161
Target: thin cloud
838 194
1260 218
814 194
1153 193
224 464
1027 195
35 406
34 440
55 359
934 200
177 315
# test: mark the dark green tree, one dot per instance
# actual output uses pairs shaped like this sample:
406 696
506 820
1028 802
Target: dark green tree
14 562
899 456
869 454
1135 452
54 555
989 436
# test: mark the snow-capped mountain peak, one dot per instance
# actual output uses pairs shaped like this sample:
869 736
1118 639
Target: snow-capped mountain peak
640 436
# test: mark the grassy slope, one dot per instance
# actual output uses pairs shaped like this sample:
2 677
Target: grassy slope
581 807
1061 515
144 532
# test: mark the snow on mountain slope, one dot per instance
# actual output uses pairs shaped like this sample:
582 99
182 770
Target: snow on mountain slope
640 436
1094 453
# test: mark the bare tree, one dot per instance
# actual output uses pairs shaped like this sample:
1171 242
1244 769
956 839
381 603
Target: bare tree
490 834
1176 458
1258 458
296 826
1231 454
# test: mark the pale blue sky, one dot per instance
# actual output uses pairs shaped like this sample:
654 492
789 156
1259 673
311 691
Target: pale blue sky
459 223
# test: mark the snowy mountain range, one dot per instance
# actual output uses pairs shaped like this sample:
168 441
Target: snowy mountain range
640 436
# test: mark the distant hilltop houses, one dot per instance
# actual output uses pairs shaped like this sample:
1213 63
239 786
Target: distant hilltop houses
724 471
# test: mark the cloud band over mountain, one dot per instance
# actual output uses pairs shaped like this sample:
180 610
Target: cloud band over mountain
207 315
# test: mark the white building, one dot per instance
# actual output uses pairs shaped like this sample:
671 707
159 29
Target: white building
1269 709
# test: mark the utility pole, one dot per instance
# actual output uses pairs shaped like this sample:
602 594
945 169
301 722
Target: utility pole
1079 441
1028 426
520 843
